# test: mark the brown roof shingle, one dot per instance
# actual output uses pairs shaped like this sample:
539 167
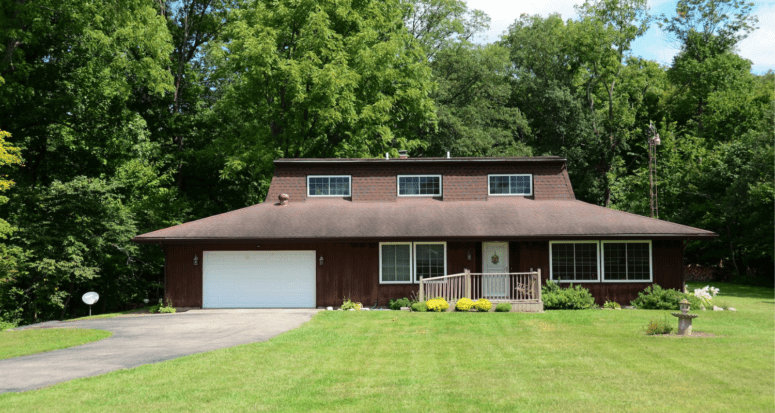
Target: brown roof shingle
422 218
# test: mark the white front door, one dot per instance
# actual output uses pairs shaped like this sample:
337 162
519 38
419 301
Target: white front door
495 263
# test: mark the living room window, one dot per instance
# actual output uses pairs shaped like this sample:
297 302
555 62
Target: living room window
574 261
419 185
626 261
328 185
395 262
430 260
512 184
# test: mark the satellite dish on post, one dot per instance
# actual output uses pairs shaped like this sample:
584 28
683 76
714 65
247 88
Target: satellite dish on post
90 298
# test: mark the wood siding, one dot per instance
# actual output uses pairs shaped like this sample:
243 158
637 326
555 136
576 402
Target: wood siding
352 269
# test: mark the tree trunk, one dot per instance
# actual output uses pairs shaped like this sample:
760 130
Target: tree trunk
67 301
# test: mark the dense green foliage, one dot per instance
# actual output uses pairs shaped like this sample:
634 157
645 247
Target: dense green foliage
655 297
503 308
570 298
122 117
398 303
420 306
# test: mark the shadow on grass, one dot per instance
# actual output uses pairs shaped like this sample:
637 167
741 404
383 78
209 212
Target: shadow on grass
737 290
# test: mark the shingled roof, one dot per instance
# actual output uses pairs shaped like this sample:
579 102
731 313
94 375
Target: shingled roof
423 218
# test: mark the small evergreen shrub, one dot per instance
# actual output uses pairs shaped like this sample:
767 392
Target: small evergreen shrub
483 305
655 297
464 304
398 303
571 298
612 305
503 308
437 304
420 307
161 308
655 327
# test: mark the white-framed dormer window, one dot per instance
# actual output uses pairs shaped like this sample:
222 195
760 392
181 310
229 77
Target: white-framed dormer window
419 185
328 185
626 261
510 184
430 260
574 261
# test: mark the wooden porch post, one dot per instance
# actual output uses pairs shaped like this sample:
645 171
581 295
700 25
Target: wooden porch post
422 293
538 285
468 282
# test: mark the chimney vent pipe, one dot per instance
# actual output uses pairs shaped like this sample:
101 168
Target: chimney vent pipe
402 154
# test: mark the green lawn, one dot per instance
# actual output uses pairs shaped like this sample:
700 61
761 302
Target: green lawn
566 361
24 342
111 315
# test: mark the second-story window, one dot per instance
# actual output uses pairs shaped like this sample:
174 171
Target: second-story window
513 184
328 185
418 185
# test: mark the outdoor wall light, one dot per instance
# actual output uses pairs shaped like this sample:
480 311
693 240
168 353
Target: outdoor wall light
468 255
196 260
321 260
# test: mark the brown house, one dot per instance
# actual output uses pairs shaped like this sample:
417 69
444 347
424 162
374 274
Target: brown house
369 229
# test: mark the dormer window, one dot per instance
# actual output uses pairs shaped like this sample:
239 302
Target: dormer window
328 185
512 184
419 185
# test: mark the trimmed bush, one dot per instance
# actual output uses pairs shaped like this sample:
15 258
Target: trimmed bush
571 298
483 305
420 307
612 305
659 327
348 304
655 297
398 303
503 308
464 304
437 304
4 325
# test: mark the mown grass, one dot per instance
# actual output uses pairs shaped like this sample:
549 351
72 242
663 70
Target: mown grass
111 315
26 342
566 361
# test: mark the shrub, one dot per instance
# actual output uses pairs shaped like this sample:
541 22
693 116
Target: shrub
437 304
4 325
612 305
655 297
420 307
659 327
571 298
706 295
161 308
503 308
483 305
398 303
348 304
464 304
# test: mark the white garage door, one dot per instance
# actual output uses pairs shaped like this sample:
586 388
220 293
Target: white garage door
258 279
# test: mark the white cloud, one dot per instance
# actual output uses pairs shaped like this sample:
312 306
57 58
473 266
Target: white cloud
759 47
503 13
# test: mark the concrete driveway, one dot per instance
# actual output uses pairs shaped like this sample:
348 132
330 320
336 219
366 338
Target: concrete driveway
139 340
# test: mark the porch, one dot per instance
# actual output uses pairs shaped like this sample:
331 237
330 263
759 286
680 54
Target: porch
520 289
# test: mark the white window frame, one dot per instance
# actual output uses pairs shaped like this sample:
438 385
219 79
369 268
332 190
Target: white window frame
489 191
414 255
349 182
551 266
411 263
602 261
398 184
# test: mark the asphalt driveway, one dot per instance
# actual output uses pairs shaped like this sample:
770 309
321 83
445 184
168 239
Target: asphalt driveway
147 339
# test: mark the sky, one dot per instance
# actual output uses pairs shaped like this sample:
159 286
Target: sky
759 47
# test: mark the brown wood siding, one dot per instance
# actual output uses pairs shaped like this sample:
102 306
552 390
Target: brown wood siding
460 182
352 270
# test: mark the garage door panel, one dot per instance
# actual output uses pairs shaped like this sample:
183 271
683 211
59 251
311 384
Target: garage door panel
258 279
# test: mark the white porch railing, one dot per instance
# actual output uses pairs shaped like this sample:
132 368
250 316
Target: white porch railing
515 287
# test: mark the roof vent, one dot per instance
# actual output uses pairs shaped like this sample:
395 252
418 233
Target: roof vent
387 155
284 199
402 154
448 155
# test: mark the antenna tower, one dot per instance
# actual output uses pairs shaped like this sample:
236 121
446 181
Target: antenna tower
654 141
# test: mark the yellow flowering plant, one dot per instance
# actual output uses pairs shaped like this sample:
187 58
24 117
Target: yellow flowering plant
464 304
483 305
437 304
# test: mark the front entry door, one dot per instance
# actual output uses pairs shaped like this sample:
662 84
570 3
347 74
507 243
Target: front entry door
495 266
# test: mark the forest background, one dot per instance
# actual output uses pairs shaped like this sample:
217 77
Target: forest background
119 117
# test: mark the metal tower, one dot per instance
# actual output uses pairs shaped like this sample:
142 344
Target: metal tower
654 140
